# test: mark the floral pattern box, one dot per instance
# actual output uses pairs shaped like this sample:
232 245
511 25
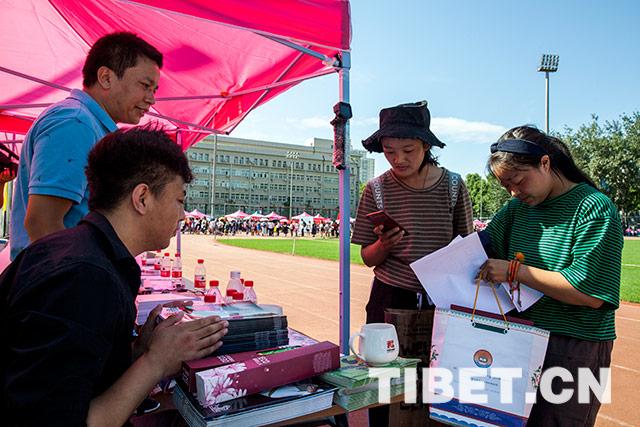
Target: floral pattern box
239 379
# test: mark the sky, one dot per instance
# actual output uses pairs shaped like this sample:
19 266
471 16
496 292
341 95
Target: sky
475 62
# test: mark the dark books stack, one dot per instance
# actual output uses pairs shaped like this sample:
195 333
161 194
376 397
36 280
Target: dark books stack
255 334
251 326
276 405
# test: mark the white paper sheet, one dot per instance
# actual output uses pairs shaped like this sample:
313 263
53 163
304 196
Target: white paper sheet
448 275
528 296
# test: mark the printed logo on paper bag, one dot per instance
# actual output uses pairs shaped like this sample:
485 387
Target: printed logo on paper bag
391 345
482 359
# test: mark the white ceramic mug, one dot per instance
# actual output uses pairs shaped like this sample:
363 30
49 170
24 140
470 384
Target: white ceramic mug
378 343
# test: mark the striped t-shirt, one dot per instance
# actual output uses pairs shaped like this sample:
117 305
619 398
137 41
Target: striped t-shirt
425 213
578 234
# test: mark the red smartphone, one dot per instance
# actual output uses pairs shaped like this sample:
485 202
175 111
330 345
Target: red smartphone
381 217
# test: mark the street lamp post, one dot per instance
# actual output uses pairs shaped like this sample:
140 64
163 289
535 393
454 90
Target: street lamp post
291 155
548 64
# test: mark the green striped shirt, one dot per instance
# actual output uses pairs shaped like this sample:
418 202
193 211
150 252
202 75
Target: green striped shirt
578 234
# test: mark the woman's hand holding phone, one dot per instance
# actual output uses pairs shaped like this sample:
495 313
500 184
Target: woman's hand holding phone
388 238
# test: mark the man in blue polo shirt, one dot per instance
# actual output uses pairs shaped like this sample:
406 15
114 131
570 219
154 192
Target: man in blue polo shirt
120 78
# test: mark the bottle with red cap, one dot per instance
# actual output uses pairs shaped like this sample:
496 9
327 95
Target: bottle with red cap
212 293
176 272
156 262
200 275
234 282
229 296
249 292
165 265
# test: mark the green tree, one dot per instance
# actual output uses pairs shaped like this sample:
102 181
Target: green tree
610 154
487 195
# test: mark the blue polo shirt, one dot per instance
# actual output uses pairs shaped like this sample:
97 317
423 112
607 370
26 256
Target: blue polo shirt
53 158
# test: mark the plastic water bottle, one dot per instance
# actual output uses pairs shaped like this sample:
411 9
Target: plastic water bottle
156 261
249 292
213 294
229 297
200 275
176 272
165 265
234 282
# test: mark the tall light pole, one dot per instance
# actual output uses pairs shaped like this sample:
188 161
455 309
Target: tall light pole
291 155
548 64
214 160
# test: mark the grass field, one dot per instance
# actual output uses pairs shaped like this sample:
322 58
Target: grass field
631 271
328 249
319 248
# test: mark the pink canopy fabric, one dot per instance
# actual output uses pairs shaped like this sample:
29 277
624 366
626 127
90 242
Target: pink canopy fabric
237 215
274 216
196 214
302 215
222 59
319 219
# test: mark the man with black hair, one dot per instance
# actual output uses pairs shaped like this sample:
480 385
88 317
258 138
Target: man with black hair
67 301
120 78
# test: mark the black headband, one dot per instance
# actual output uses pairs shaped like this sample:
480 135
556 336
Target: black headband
519 146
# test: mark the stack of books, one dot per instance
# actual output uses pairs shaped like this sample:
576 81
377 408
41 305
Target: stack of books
251 326
356 389
276 405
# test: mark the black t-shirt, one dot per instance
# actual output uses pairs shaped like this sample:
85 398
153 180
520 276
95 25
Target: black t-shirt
68 313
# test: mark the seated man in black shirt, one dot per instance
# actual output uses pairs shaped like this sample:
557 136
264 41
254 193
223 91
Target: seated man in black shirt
67 301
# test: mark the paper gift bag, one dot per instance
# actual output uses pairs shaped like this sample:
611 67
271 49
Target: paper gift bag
463 340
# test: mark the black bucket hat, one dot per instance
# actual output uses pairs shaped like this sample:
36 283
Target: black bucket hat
403 121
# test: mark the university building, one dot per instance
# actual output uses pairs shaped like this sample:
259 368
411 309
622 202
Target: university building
236 173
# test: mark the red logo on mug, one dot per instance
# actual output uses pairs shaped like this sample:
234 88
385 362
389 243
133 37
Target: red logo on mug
391 345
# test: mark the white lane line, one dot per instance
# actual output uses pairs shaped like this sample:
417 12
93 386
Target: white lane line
614 420
627 318
635 371
631 265
624 337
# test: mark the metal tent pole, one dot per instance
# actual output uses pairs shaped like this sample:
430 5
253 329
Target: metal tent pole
179 231
345 215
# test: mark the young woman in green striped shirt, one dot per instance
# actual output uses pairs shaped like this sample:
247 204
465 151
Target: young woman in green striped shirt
571 237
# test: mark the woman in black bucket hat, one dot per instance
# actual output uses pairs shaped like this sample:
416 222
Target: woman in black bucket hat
431 203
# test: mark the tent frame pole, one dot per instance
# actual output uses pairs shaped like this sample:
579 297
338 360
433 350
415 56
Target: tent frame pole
345 214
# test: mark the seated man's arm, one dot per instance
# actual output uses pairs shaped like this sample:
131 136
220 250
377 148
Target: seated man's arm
67 329
45 215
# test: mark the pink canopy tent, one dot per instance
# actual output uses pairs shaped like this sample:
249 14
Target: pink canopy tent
319 219
196 214
221 61
302 215
237 215
273 216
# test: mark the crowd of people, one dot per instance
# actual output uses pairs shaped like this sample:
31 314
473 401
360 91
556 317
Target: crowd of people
231 227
